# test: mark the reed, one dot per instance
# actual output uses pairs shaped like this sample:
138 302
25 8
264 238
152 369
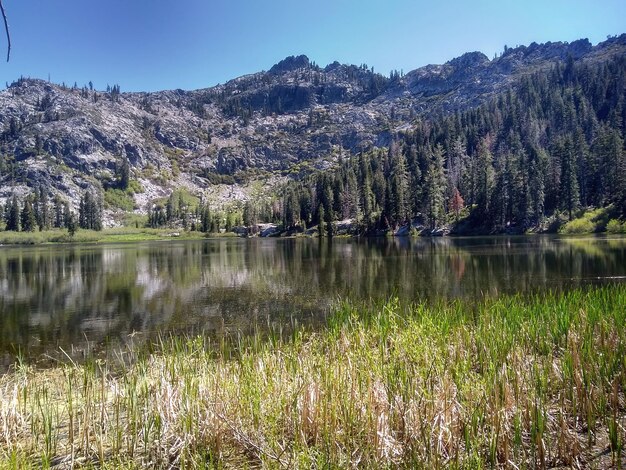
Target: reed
500 383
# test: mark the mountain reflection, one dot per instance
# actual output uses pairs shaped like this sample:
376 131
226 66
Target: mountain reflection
59 296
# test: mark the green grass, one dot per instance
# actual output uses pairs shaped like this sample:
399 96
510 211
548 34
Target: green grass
511 382
49 236
120 234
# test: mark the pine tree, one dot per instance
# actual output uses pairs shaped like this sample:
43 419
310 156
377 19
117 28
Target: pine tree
569 180
399 193
90 212
44 210
456 160
206 219
82 215
609 146
71 224
36 207
13 215
124 174
27 217
58 212
170 211
582 157
366 194
68 217
249 214
306 206
535 193
484 180
290 209
435 187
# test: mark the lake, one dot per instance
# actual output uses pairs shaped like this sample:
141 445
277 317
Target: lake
80 297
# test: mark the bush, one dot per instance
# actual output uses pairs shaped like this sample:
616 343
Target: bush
134 187
578 226
116 198
615 226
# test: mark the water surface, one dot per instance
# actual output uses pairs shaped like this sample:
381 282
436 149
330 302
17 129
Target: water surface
81 296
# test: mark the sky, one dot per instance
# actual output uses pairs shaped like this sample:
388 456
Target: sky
149 45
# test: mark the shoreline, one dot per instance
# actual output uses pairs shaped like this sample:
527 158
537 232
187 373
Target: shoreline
123 235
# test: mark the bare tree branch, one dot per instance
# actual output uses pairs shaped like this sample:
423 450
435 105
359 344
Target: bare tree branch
6 28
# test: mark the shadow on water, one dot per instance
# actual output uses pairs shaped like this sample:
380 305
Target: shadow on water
77 297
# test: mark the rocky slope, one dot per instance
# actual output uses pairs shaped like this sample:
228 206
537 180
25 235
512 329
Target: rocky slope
218 141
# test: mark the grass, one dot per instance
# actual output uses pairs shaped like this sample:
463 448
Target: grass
120 234
507 383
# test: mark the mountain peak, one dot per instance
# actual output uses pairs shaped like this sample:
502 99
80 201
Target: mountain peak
291 63
469 59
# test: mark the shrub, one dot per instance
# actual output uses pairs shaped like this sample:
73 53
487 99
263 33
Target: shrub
615 226
134 187
116 198
578 226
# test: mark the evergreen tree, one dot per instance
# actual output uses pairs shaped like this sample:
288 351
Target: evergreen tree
68 217
569 179
170 210
27 218
82 214
484 179
124 174
457 157
250 217
58 213
71 224
366 193
537 162
90 212
399 195
435 188
206 219
44 221
290 209
36 207
609 147
306 206
13 215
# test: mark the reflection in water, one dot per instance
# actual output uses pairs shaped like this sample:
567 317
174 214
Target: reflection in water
59 296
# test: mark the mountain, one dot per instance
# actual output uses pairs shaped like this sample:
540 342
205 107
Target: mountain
254 131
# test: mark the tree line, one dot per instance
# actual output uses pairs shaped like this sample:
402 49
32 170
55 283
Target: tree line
39 210
179 212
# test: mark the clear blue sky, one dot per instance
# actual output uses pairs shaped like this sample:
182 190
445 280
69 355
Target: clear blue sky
157 44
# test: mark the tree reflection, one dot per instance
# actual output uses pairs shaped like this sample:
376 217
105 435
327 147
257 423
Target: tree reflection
54 297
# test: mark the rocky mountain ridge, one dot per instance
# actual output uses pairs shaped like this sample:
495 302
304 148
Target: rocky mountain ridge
228 142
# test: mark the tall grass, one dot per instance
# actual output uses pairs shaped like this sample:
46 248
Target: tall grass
507 383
